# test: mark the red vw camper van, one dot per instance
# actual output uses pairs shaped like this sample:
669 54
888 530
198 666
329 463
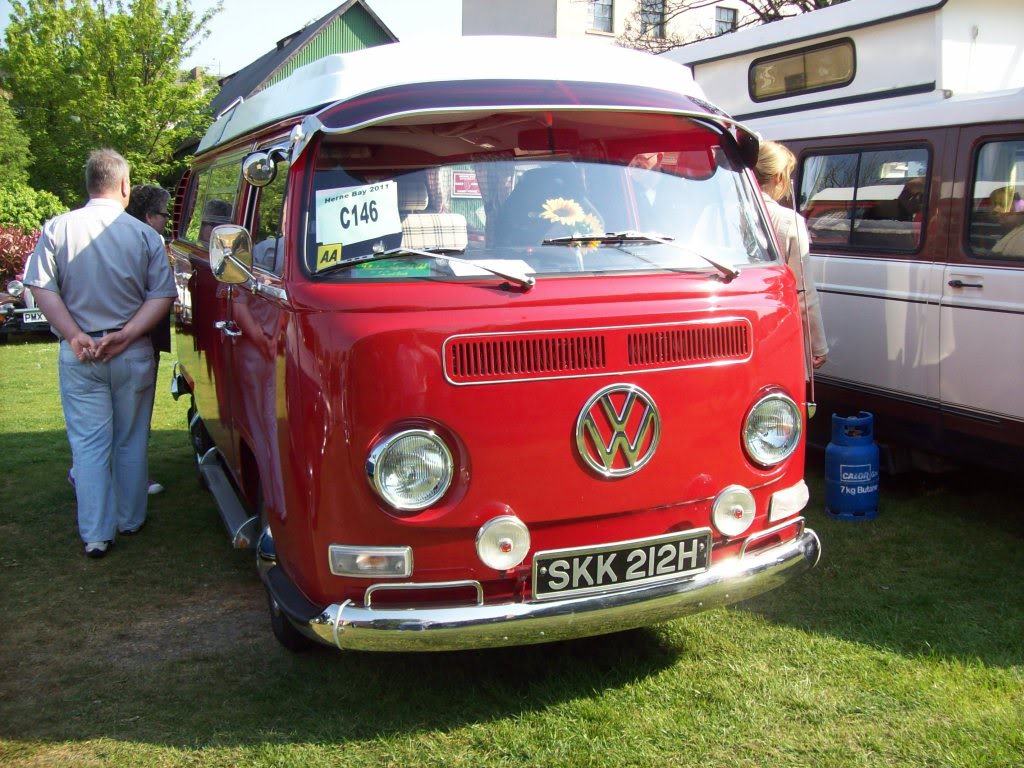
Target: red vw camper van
490 345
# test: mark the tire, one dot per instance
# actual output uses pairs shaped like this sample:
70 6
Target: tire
285 632
200 443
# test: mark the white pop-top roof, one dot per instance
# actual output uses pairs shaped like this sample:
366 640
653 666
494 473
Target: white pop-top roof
833 20
900 50
340 77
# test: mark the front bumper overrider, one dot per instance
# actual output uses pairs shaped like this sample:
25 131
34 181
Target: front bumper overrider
354 627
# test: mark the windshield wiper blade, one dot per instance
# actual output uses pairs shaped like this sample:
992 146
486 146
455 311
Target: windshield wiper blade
629 237
609 238
521 279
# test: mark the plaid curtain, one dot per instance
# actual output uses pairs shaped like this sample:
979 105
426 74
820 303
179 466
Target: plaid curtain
438 189
495 182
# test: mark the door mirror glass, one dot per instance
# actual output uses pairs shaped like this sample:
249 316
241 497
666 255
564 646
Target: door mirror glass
259 169
231 254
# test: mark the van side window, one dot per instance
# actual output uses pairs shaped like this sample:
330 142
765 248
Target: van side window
267 229
216 190
805 70
997 203
197 193
872 200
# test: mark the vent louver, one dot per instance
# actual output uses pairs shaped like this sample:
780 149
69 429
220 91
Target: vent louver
524 356
692 344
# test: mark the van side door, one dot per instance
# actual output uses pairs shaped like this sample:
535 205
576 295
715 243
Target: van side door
981 353
879 286
256 381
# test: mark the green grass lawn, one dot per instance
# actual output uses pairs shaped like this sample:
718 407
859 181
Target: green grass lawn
904 647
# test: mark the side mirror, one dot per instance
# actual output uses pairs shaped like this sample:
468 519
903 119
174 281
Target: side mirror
231 254
259 169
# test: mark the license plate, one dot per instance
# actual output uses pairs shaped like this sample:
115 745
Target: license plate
32 316
625 563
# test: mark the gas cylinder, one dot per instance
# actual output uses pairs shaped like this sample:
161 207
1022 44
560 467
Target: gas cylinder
851 468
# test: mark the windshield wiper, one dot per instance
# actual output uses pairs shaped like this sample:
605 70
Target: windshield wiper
630 237
521 279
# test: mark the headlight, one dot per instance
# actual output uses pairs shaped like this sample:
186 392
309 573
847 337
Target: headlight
16 288
410 470
772 429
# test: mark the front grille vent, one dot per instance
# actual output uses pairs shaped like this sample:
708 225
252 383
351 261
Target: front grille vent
689 344
599 352
525 356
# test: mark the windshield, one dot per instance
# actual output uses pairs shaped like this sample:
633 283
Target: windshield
569 194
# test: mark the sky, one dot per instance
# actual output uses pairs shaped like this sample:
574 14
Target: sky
246 29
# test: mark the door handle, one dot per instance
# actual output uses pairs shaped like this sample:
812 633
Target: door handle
228 327
958 283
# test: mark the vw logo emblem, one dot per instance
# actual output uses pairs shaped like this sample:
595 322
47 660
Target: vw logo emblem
618 430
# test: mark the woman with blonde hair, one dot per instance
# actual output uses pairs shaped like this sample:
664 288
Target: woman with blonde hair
775 165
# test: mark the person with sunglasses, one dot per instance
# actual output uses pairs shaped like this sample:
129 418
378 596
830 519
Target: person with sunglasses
151 204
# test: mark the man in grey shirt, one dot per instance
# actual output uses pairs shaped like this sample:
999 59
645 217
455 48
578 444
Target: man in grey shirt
102 279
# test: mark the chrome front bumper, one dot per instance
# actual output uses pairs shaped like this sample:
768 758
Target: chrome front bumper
354 627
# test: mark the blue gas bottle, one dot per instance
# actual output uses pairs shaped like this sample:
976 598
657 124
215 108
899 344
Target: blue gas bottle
851 468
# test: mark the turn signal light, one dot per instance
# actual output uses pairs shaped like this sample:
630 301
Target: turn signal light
376 562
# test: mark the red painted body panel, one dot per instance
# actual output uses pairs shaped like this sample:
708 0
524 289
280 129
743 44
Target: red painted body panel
362 361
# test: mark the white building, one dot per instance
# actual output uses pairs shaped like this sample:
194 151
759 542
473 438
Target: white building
596 18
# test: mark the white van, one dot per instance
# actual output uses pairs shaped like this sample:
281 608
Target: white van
907 119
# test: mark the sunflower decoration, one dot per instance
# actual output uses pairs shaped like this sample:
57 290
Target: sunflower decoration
570 214
562 211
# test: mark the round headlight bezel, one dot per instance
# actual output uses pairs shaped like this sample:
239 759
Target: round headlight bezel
377 465
753 447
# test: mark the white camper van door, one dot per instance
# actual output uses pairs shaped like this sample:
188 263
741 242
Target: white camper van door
982 330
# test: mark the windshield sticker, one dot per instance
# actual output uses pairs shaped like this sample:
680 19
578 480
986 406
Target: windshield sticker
480 267
326 255
351 215
393 268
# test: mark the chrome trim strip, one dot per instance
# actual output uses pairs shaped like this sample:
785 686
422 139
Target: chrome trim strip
368 597
349 626
264 288
767 532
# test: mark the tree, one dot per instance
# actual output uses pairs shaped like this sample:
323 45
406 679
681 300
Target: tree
84 74
22 208
640 33
14 149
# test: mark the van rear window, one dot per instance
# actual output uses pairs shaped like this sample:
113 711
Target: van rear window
871 200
